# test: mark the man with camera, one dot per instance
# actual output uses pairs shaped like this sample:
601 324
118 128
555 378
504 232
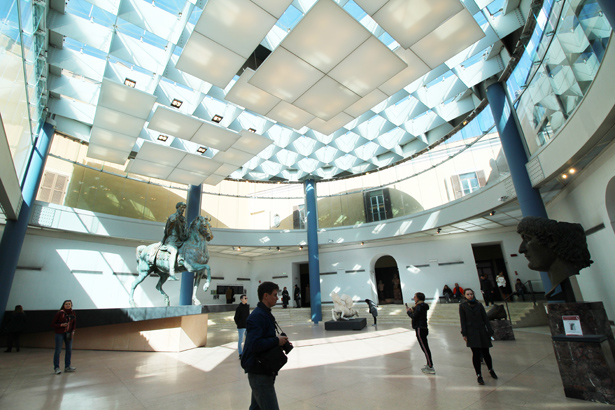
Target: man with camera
262 339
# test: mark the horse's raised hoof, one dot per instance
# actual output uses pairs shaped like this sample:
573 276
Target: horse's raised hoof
196 302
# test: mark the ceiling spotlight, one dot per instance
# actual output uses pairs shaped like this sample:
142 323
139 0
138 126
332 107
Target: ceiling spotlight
238 248
217 118
176 103
252 130
362 243
278 248
201 150
464 122
300 248
572 171
438 230
130 83
491 213
162 137
564 176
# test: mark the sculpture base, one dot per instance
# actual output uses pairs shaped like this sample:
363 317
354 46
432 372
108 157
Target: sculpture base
586 363
502 330
352 324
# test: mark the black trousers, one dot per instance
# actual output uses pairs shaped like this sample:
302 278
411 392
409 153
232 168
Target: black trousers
421 336
476 355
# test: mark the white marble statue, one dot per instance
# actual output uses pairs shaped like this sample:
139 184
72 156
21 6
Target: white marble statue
342 307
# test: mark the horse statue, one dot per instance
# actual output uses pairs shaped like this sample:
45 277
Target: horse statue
192 256
343 307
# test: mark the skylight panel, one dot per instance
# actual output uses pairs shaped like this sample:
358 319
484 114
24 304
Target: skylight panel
195 16
83 48
496 8
355 11
290 18
90 12
171 6
481 20
133 31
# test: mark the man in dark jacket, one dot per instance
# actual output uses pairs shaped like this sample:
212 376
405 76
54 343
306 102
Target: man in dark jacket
260 338
418 314
241 316
487 289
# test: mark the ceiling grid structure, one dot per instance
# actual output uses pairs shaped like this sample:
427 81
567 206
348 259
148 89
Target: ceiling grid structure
318 89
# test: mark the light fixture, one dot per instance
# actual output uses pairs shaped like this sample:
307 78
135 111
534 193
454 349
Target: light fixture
162 137
491 213
252 130
201 150
176 103
130 83
572 171
300 248
564 176
278 248
438 230
362 243
217 118
238 248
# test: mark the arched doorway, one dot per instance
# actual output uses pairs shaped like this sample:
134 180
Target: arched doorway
387 281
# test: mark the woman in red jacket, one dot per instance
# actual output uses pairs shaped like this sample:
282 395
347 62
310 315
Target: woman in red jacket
64 324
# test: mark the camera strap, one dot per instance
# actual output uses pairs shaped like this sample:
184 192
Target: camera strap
278 329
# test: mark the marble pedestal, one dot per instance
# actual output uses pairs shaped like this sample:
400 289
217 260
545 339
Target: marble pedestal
586 363
502 330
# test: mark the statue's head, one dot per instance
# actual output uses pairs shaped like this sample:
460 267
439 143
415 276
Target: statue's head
180 205
544 241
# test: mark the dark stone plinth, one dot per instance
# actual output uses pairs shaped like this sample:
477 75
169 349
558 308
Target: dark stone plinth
586 363
352 324
502 330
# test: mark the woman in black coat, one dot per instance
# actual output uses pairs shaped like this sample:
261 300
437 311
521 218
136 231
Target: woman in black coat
476 331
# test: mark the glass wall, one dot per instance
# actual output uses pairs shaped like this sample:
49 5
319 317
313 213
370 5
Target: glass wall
22 76
557 67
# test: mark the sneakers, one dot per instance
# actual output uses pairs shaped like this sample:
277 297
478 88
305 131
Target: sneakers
492 373
69 369
480 380
428 370
57 370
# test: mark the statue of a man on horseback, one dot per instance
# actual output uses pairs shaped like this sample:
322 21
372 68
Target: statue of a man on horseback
175 233
186 250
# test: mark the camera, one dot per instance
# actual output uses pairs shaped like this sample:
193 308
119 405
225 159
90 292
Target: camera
287 347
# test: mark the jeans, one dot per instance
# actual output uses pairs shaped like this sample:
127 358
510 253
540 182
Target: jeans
263 392
59 338
242 333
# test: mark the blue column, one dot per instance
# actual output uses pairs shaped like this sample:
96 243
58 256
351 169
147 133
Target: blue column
314 260
193 209
608 7
15 230
529 198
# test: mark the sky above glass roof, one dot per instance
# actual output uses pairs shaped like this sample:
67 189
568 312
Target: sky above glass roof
111 40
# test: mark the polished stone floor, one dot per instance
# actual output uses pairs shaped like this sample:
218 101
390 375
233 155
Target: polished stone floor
368 369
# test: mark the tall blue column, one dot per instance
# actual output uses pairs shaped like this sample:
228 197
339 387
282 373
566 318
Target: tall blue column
314 260
15 230
193 209
529 198
608 7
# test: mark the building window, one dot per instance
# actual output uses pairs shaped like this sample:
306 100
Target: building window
466 183
377 205
299 217
53 188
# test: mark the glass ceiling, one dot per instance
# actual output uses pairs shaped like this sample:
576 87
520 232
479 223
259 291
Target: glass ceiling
97 41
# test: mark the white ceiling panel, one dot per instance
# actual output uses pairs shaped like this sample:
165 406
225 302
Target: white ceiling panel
452 37
253 98
183 176
118 122
285 75
409 21
115 140
251 143
105 153
214 179
226 169
274 7
209 61
239 25
233 156
199 164
149 169
160 154
416 69
325 36
328 127
214 136
290 115
122 98
172 122
371 6
366 103
326 99
367 67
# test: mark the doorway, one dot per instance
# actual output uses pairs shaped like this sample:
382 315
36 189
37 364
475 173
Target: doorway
387 281
304 284
490 262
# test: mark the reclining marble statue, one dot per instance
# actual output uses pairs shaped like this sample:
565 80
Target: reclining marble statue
558 248
342 307
182 249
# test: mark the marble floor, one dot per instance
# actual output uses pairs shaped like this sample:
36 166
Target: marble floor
368 369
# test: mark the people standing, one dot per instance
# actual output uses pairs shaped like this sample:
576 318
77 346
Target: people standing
458 292
487 289
297 296
229 295
285 298
501 281
520 289
15 325
476 331
380 291
64 324
373 309
418 314
261 337
241 316
447 293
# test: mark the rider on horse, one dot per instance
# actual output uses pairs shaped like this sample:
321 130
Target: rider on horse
175 233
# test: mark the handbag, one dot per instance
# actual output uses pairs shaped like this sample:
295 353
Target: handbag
272 360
